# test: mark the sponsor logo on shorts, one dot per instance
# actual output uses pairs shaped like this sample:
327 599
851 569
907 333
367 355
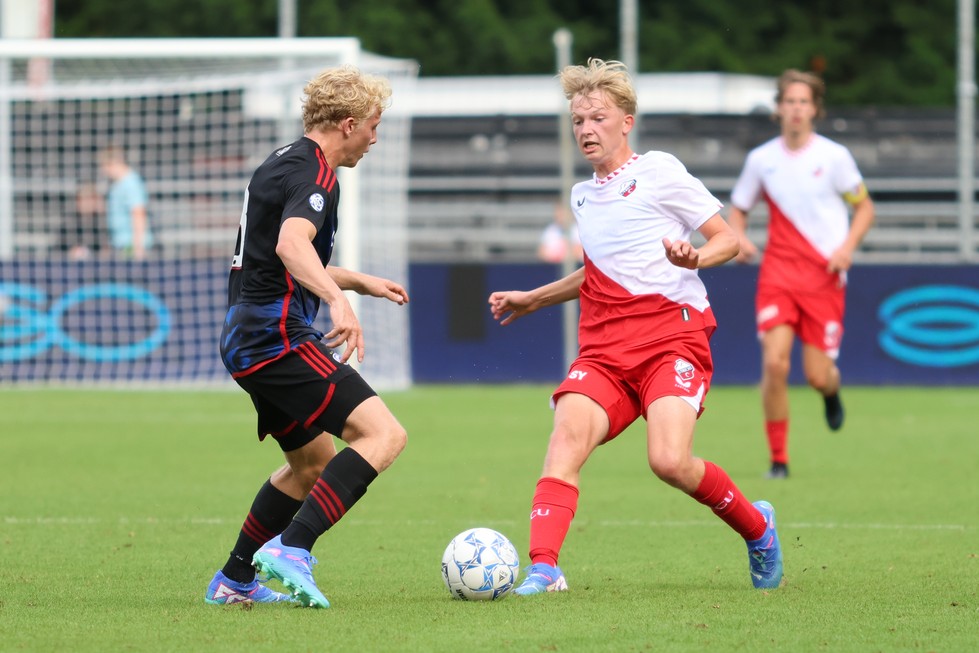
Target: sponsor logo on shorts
832 334
684 373
767 313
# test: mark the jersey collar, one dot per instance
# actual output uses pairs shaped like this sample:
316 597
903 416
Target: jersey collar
618 171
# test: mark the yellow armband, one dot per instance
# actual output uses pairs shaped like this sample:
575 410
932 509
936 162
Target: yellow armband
858 194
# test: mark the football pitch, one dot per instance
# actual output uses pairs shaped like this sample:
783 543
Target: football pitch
117 508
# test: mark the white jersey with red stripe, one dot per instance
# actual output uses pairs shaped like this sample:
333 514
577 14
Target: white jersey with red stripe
632 295
808 217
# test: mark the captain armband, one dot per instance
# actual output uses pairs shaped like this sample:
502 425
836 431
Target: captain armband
858 194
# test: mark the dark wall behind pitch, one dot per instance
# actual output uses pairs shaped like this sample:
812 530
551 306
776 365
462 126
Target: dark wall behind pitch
905 325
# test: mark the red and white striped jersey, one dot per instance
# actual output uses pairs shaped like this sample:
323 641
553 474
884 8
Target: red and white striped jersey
808 216
632 295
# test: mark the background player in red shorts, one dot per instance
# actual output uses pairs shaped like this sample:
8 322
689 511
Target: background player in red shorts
807 182
643 331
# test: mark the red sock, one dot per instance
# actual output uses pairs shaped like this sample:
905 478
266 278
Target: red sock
720 494
550 518
778 439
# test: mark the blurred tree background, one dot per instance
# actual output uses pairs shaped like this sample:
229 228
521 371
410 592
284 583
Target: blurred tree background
874 52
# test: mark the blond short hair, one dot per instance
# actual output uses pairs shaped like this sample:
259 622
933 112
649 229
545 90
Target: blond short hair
343 92
611 77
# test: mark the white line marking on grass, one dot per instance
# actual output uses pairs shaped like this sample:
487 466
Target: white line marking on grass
883 527
633 523
781 524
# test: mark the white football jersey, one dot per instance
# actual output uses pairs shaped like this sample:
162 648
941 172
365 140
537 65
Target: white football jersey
631 291
805 186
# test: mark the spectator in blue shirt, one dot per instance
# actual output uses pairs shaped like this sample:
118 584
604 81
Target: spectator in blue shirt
126 201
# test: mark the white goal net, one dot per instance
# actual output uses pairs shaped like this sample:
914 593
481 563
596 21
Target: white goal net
194 118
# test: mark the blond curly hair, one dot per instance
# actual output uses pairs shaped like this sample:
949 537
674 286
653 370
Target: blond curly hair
343 92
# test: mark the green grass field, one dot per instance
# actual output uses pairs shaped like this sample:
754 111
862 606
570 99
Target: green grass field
116 508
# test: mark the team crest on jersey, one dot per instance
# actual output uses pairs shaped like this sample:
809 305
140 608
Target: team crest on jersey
684 372
627 188
316 201
283 150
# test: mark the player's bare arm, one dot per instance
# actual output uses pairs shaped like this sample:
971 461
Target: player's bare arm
139 232
738 220
366 284
508 305
721 246
863 219
295 248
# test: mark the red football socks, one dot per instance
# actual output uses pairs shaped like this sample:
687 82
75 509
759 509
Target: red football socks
720 494
778 437
553 509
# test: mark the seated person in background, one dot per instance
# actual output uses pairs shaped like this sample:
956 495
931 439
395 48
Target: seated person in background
83 234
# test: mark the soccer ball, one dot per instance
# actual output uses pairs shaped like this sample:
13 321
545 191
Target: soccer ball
480 564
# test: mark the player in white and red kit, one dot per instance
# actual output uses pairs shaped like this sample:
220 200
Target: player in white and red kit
808 182
644 327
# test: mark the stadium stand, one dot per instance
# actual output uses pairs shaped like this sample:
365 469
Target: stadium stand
481 188
484 169
484 166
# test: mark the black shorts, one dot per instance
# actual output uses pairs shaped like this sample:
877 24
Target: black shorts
306 392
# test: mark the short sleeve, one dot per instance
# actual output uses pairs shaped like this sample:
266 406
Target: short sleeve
748 188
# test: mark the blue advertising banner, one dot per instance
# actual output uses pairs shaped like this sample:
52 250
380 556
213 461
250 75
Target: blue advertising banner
111 320
66 321
904 325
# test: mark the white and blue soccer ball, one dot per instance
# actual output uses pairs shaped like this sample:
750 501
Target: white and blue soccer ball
480 564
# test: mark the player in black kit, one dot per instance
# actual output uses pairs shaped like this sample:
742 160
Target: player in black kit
298 379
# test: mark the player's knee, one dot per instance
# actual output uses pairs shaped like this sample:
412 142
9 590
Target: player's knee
397 439
670 468
385 444
568 444
819 379
776 367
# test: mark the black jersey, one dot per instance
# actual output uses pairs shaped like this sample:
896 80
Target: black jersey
269 313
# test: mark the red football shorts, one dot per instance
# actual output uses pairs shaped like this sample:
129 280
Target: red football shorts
816 318
625 385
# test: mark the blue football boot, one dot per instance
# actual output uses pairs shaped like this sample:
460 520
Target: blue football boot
224 591
765 553
293 567
542 578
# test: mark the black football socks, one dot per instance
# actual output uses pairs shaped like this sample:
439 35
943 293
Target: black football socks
270 513
343 481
